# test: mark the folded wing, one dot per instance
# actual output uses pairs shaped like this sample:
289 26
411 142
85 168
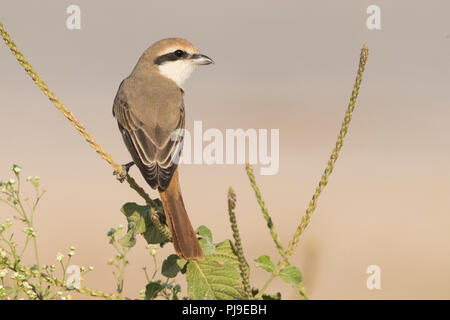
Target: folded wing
152 128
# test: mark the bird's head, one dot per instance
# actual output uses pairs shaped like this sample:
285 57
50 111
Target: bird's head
175 58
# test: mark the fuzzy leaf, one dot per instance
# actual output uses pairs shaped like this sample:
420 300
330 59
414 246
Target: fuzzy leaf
182 264
217 277
208 247
204 232
170 266
152 289
139 223
291 274
265 263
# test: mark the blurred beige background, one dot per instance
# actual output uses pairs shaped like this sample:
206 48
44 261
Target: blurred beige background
287 65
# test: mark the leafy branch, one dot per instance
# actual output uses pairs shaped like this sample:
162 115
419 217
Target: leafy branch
283 265
35 281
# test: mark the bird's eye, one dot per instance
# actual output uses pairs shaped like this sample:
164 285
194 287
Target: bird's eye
179 53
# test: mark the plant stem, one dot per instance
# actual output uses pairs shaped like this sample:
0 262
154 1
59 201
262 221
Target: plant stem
334 155
264 210
156 267
243 265
328 170
118 169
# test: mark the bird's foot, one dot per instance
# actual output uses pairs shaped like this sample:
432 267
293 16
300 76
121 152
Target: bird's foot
121 176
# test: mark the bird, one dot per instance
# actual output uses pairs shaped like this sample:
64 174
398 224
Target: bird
150 113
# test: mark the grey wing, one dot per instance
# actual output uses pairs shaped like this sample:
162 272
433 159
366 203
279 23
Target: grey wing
156 162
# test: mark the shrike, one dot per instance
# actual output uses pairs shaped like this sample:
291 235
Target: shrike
149 109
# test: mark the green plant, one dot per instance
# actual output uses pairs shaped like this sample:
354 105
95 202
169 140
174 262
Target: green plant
52 281
224 273
33 281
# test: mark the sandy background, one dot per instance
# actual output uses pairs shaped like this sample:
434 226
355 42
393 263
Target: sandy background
287 65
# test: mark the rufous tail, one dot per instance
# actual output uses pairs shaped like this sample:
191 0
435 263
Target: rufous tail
184 238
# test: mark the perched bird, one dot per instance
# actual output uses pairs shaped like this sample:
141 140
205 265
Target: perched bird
149 109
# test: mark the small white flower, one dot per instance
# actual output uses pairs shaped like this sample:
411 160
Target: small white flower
91 268
16 168
29 231
152 249
27 285
31 294
3 273
59 256
71 253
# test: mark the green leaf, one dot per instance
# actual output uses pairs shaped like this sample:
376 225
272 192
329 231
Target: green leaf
207 246
217 277
291 274
152 289
275 296
204 232
182 264
139 223
153 236
136 216
266 296
265 263
170 267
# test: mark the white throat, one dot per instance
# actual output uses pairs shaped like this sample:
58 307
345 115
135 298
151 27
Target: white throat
177 71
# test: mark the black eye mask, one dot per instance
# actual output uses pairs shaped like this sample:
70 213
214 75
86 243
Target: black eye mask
171 56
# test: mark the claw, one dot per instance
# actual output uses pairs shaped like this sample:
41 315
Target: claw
121 176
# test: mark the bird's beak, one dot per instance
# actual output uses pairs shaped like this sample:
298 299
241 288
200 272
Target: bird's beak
201 59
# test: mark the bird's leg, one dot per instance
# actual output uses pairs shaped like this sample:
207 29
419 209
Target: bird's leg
126 167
